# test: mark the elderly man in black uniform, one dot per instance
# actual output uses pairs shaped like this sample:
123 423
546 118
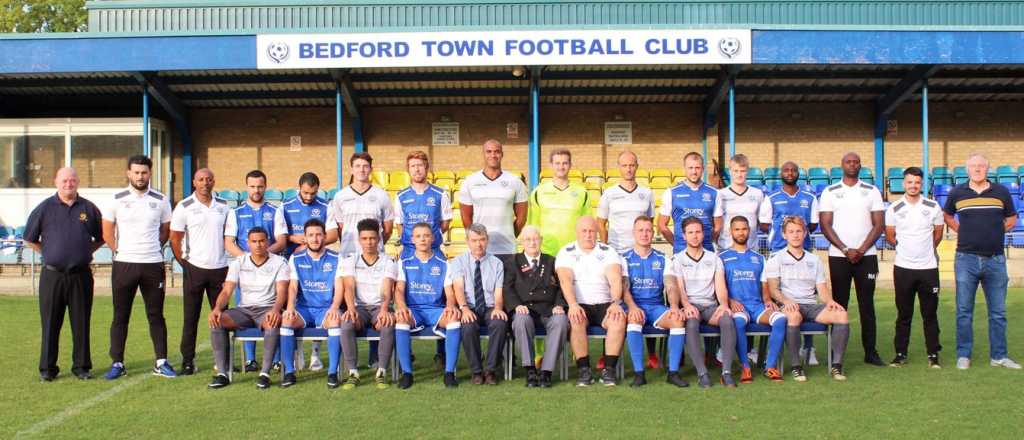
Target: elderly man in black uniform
532 297
66 229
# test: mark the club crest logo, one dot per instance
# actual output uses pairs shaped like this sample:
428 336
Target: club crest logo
804 204
729 46
431 202
504 183
328 267
656 265
268 216
82 216
706 197
277 52
314 212
435 271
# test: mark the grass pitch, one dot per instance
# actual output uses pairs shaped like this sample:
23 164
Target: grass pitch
908 402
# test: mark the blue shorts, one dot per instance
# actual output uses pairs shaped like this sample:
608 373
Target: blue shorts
754 312
427 317
653 313
313 316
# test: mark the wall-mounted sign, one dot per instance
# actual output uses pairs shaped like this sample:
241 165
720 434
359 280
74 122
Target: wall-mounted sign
445 133
512 130
295 143
618 132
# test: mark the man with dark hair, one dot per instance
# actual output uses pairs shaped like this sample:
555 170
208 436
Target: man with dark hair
313 300
852 219
691 198
294 213
357 201
980 212
254 212
914 226
197 240
367 280
66 230
262 278
136 224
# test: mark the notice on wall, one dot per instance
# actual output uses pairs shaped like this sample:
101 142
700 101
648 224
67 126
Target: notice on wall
295 143
892 127
618 133
512 130
445 133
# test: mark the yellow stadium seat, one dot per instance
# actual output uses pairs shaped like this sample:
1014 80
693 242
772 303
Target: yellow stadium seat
457 235
399 178
609 185
545 179
677 179
661 182
456 222
613 173
661 172
640 172
392 193
546 173
395 187
514 173
595 197
643 180
444 174
576 173
576 180
657 192
379 178
594 180
593 184
430 176
462 174
445 182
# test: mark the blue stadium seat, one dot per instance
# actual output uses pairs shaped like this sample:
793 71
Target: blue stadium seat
820 188
230 196
755 183
820 242
771 188
291 193
274 196
331 193
941 176
803 175
835 174
895 179
818 175
807 187
866 175
755 174
959 175
322 194
771 175
942 190
1006 174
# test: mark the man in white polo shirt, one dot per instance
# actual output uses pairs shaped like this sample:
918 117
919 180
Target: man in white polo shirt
136 224
262 279
197 232
621 204
590 274
495 199
357 201
914 226
852 217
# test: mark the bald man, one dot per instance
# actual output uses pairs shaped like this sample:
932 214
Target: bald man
197 228
590 275
66 229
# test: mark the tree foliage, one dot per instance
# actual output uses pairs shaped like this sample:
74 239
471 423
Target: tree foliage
42 16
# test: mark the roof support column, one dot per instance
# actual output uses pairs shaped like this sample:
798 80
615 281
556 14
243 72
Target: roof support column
887 104
337 133
723 88
145 120
534 166
732 117
924 138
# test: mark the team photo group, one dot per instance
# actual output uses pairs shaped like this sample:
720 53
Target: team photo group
541 269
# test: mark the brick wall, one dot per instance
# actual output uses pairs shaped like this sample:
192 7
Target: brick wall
232 142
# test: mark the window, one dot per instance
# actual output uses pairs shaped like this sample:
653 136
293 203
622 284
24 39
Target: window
100 159
30 161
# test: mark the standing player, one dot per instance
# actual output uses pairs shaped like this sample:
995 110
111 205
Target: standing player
749 299
136 224
294 214
198 221
368 280
557 204
255 212
478 281
913 226
495 199
705 299
739 200
794 277
262 279
646 291
786 202
691 198
424 298
852 218
312 300
421 202
357 201
590 275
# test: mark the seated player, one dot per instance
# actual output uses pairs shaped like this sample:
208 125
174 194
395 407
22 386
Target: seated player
749 300
368 280
312 300
424 298
262 279
705 299
793 275
477 280
645 294
590 274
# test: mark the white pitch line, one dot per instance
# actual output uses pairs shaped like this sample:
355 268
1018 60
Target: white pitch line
77 408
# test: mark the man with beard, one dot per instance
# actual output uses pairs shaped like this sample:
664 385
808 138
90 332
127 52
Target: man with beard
691 198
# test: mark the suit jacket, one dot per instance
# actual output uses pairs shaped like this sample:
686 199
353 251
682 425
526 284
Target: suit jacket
536 289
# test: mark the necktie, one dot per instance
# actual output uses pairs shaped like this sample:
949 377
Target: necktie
533 264
478 288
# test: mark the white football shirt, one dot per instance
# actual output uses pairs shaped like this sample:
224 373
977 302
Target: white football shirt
137 218
493 202
915 223
588 270
745 204
698 276
798 278
621 208
257 284
203 226
851 208
369 278
349 207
